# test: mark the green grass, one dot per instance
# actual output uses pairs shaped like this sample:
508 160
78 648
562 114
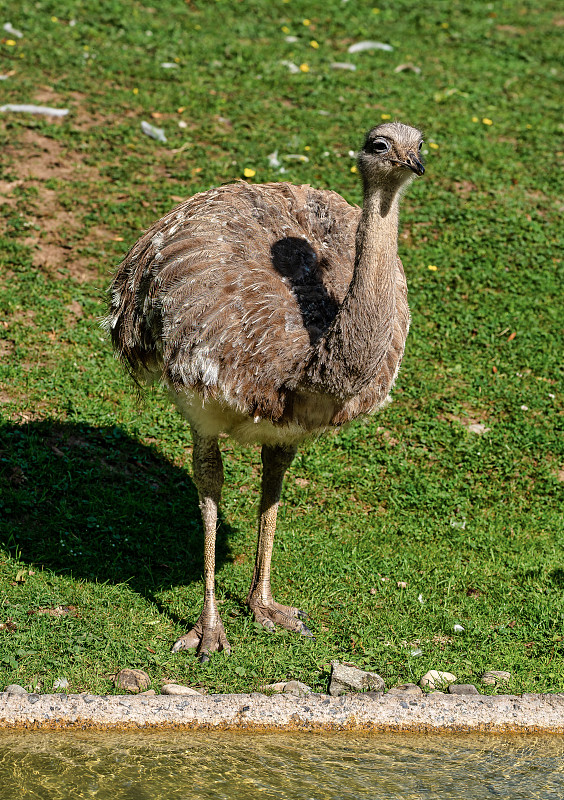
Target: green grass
97 506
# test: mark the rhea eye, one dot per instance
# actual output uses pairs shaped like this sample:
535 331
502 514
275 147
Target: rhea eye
380 146
420 146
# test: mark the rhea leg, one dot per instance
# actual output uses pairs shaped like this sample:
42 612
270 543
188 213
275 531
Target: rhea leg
275 462
207 634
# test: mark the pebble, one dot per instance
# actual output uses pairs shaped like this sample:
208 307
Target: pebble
132 680
177 688
345 679
495 676
15 688
478 427
435 678
274 687
288 687
406 688
462 688
297 688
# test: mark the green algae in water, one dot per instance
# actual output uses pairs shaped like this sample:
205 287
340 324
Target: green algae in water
239 766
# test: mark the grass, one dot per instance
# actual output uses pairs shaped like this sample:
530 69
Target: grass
97 507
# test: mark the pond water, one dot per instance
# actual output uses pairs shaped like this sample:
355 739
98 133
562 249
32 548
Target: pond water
239 766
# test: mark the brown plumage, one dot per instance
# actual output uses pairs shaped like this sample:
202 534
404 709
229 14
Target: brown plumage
270 312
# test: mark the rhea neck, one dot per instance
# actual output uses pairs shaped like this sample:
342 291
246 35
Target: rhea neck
377 233
348 357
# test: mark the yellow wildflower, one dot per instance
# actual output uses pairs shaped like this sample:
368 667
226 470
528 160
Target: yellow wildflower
354 168
432 267
136 91
181 109
386 116
487 121
375 10
285 29
475 119
314 44
433 145
304 67
307 147
54 19
10 42
249 173
307 22
444 24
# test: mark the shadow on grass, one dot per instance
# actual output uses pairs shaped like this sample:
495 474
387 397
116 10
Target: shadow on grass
97 504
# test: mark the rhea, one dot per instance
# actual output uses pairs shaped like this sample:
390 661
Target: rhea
271 313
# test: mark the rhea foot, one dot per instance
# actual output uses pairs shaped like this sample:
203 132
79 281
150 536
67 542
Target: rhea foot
204 637
269 613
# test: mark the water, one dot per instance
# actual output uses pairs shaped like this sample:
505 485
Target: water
239 766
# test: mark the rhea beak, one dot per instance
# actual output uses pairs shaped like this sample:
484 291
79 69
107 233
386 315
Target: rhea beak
414 164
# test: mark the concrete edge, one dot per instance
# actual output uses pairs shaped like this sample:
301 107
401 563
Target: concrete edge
528 713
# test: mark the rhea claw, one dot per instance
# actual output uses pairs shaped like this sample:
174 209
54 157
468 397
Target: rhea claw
204 638
269 613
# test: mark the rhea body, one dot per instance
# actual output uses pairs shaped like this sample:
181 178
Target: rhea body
271 312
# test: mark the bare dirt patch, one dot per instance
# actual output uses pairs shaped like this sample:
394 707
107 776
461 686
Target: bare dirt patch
38 157
6 348
52 230
464 188
473 420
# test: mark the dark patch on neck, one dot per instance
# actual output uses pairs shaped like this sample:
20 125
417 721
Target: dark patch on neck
297 261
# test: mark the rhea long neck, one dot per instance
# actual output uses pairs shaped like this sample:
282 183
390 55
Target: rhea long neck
349 355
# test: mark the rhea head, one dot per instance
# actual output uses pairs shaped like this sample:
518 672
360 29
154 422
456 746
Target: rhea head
391 155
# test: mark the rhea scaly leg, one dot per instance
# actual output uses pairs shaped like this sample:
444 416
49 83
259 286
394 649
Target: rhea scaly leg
207 634
275 462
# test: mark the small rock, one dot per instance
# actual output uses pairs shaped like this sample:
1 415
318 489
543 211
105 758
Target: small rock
345 679
406 688
435 678
177 688
148 692
15 688
132 680
288 687
298 688
462 688
274 687
478 427
495 676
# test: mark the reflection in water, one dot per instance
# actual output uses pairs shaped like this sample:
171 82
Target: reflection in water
239 766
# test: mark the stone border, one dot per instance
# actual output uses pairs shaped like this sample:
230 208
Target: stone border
528 713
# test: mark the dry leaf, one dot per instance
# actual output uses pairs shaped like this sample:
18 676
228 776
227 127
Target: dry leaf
55 611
